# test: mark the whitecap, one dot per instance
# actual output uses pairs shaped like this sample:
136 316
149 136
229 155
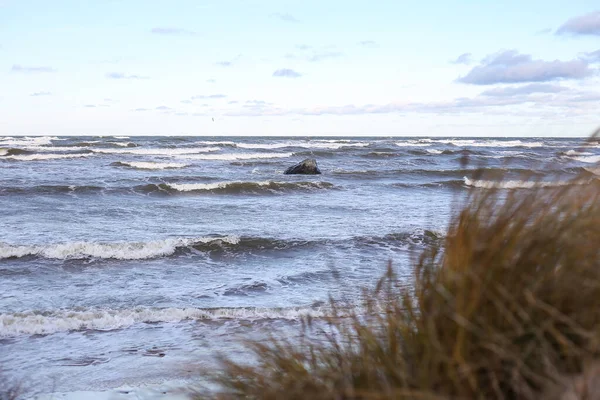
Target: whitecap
48 322
158 151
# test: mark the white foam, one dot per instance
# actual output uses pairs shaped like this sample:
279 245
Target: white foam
188 187
434 151
587 159
520 184
236 156
413 143
211 143
121 137
578 153
491 143
3 152
158 151
121 144
118 250
152 165
41 157
28 141
56 148
307 145
43 323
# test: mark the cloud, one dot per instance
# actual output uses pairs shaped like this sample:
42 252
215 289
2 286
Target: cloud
524 90
511 67
465 58
529 100
368 43
173 31
140 109
592 57
303 47
210 96
285 17
233 102
286 73
120 75
324 55
90 106
186 101
31 70
588 24
211 81
37 94
163 108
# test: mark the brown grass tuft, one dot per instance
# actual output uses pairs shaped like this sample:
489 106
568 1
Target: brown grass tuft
507 307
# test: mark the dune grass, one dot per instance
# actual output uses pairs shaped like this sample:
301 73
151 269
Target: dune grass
507 306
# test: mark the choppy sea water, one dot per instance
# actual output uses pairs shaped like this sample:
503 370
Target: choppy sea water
132 260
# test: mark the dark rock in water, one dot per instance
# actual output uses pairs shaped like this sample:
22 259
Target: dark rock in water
306 167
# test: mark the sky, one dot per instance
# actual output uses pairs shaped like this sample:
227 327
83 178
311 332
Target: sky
327 67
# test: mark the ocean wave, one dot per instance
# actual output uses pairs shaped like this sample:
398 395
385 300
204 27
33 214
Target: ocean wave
28 141
434 151
49 322
179 246
516 184
158 151
123 144
587 159
121 137
235 156
59 149
118 250
51 189
148 165
309 145
172 188
413 143
576 153
469 143
43 157
226 143
380 154
248 187
11 151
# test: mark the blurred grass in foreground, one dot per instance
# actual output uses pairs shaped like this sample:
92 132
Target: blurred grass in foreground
506 307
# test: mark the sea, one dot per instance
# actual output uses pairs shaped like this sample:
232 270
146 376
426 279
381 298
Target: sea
133 261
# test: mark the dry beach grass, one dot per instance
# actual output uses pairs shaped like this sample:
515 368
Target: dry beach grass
507 306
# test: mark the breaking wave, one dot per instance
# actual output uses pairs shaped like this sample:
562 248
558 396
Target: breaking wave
188 245
10 151
469 143
235 156
119 251
42 157
248 187
309 145
521 184
148 165
587 159
48 322
28 141
158 151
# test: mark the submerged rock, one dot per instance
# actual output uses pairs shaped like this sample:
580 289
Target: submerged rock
306 167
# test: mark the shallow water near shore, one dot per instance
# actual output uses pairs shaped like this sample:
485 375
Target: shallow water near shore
131 261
